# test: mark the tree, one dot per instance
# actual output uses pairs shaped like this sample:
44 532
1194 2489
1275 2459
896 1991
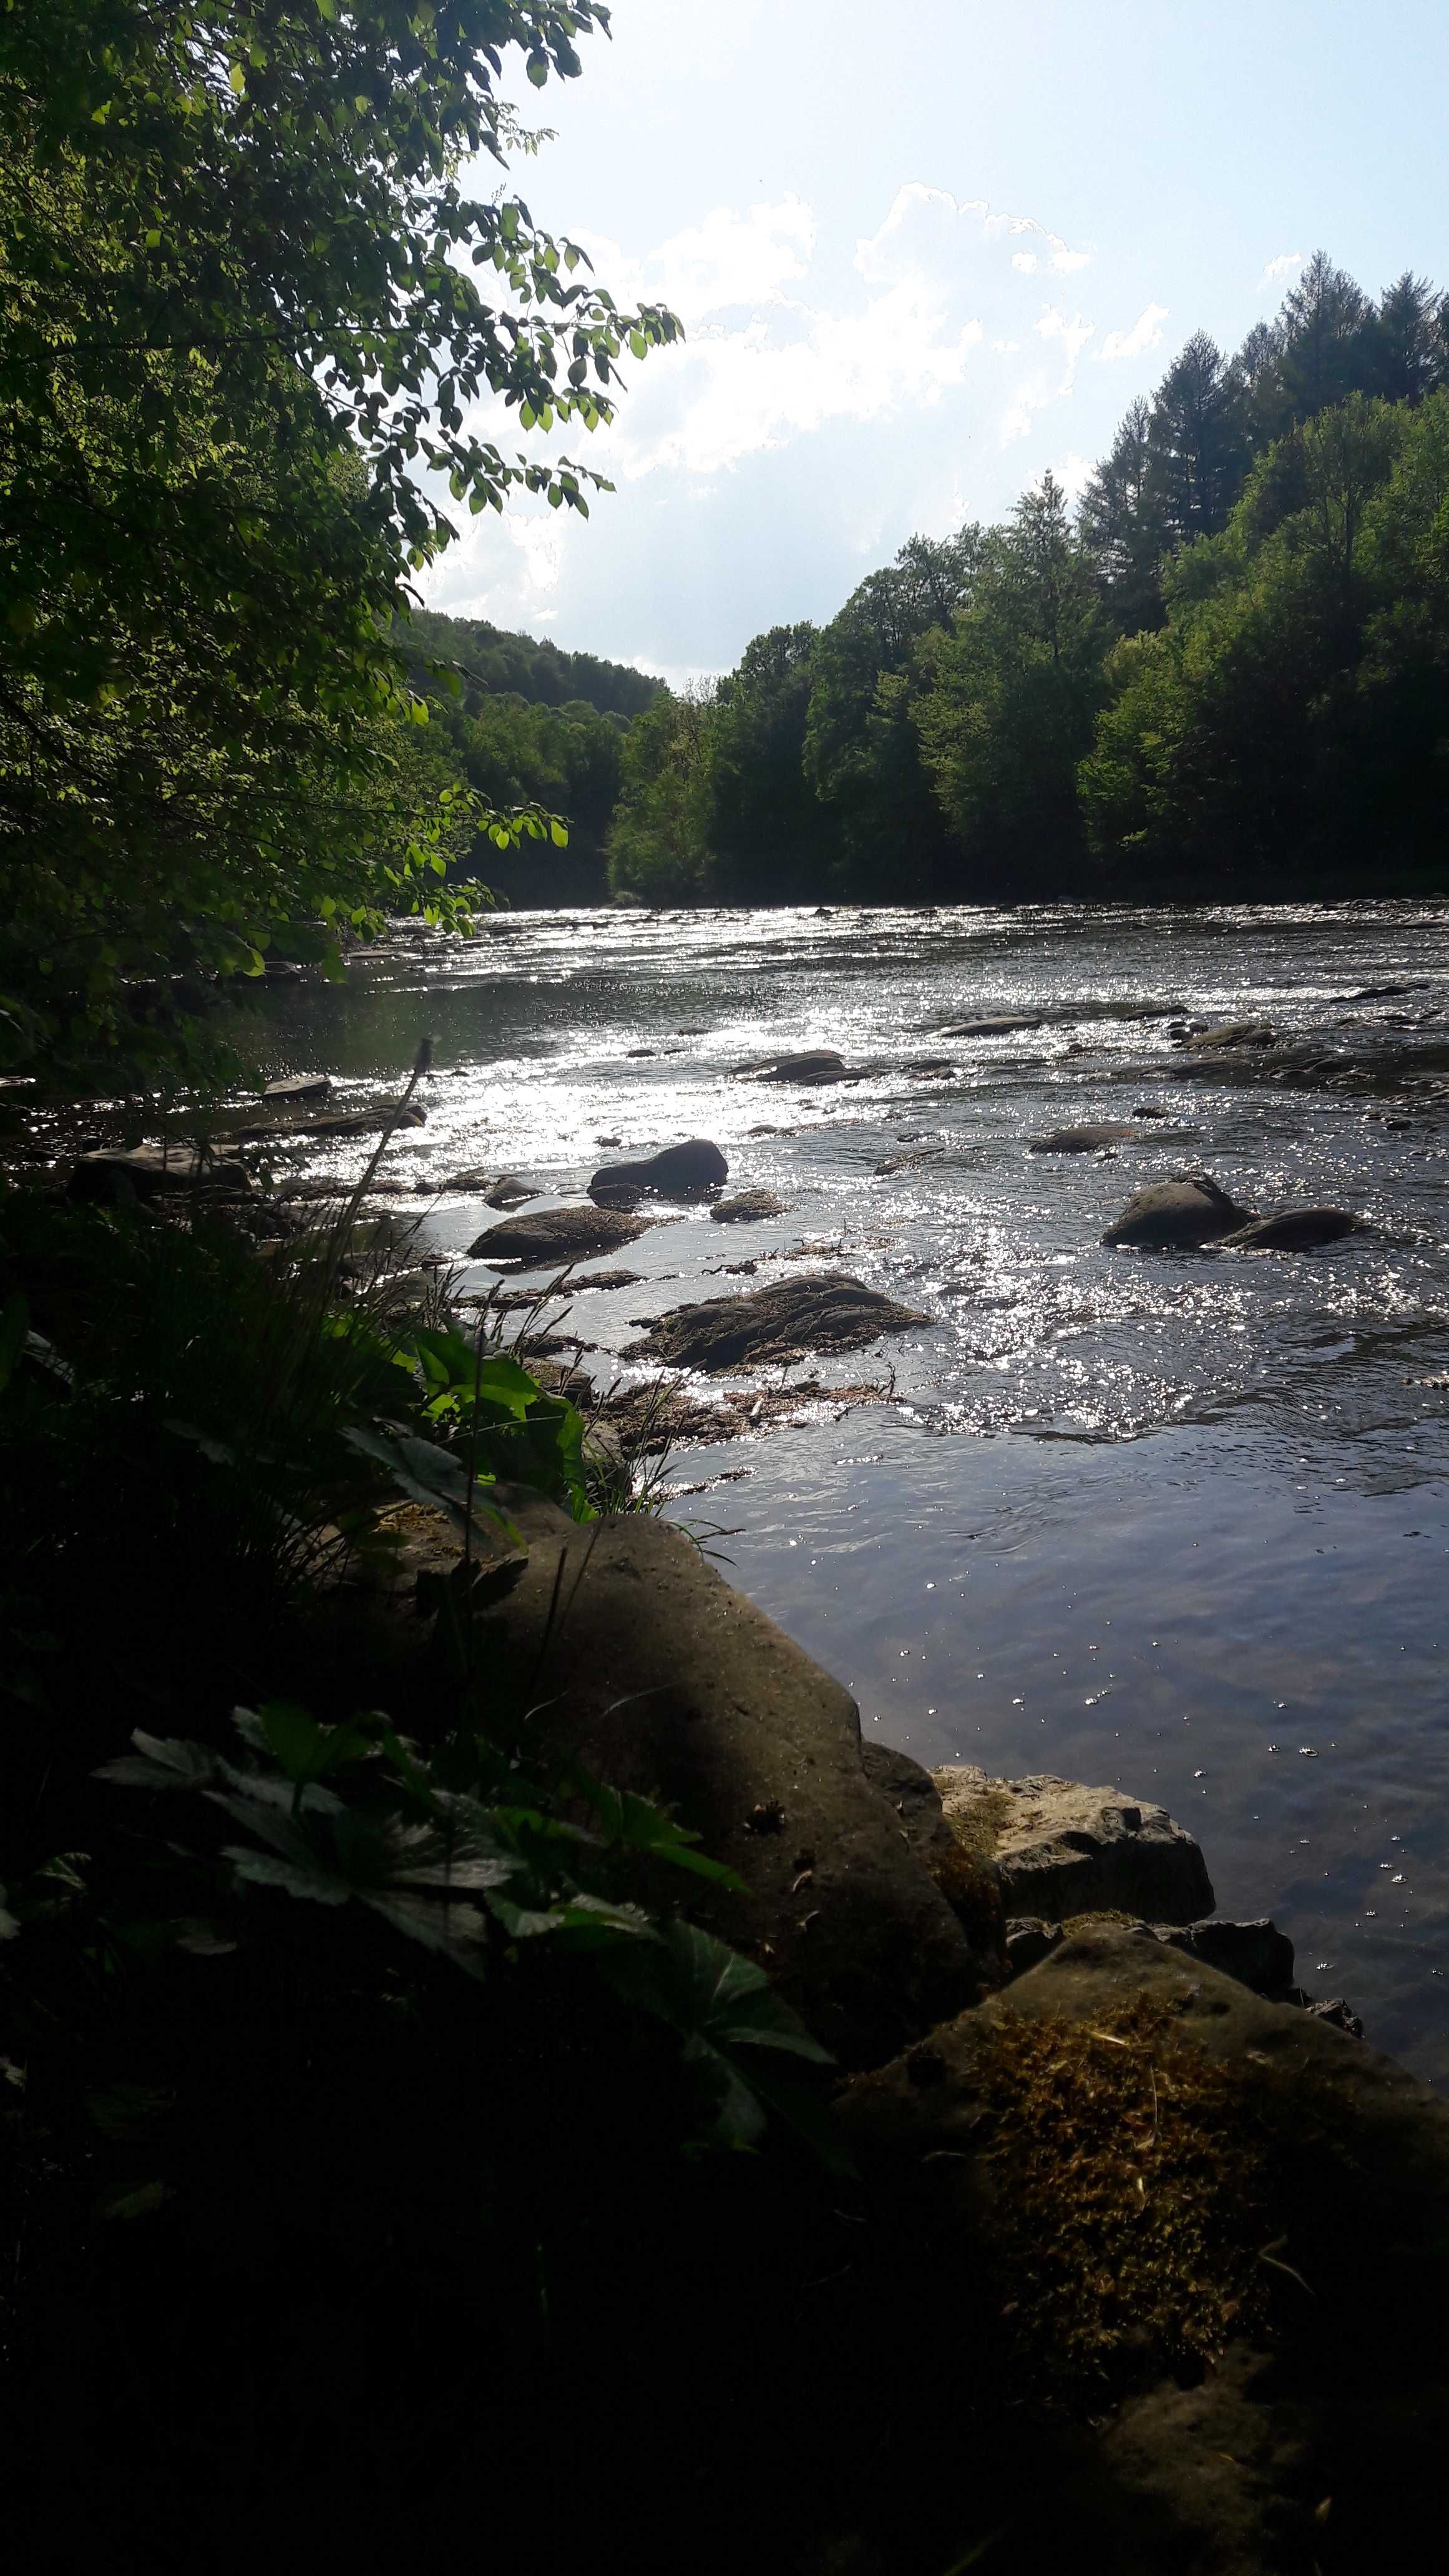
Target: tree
1122 527
243 340
1196 441
1406 346
658 841
861 749
1015 693
1325 341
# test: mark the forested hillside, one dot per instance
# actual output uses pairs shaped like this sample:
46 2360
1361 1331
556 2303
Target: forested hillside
521 723
1228 669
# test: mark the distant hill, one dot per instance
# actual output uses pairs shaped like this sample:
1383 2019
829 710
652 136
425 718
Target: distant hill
521 666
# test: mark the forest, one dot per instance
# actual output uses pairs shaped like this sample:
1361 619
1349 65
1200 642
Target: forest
1226 669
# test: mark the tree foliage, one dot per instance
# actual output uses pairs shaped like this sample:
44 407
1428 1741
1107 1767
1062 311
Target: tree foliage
246 350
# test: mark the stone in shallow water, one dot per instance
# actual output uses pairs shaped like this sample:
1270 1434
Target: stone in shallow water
687 1171
1175 1215
747 1207
557 1235
1294 1230
1063 1849
1081 1140
1001 1026
299 1086
783 1322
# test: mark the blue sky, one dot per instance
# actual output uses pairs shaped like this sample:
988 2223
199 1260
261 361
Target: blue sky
922 254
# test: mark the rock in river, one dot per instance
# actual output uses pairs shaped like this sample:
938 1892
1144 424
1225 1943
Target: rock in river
658 1677
817 1064
299 1086
747 1207
1000 1027
784 1322
1062 1849
687 1171
556 1236
1294 1230
1179 1213
1081 1140
152 1169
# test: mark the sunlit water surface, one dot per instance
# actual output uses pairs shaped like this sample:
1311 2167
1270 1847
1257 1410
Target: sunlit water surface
1177 1523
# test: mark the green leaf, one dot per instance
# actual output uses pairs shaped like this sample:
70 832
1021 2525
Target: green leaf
164 1762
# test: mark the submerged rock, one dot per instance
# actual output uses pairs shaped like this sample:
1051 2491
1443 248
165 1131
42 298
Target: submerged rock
1001 1026
1293 1230
1062 1849
659 1677
783 1322
685 1171
749 1205
1234 1033
1177 1214
1081 1140
557 1235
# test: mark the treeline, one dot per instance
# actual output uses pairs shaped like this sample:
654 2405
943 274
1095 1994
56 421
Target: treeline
522 723
1228 669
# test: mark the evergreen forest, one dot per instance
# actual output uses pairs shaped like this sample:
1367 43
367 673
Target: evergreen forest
1225 671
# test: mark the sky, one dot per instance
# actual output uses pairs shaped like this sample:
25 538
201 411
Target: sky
921 254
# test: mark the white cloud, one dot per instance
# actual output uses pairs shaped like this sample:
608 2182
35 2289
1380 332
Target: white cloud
725 260
1074 473
1025 260
1146 333
1282 270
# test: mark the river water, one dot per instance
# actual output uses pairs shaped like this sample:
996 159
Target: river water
1176 1523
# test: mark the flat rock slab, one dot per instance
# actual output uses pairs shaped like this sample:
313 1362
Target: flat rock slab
793 1318
342 1122
1081 1140
687 1171
1294 1230
1062 1849
557 1235
154 1171
1001 1025
1175 1215
747 1207
1234 1033
661 1678
299 1086
815 1064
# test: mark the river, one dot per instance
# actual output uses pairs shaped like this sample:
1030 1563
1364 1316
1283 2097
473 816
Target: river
1174 1523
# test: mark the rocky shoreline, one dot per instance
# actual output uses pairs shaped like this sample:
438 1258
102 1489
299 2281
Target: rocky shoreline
1102 2119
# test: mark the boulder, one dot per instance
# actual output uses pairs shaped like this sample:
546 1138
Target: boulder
299 1086
1262 2180
783 1322
816 1064
508 1191
687 1171
1062 1849
1081 1140
641 1662
1176 1214
746 1207
152 1171
1294 1230
1257 1953
556 1236
1001 1026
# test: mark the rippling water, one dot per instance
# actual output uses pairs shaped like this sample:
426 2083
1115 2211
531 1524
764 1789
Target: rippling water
1177 1522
